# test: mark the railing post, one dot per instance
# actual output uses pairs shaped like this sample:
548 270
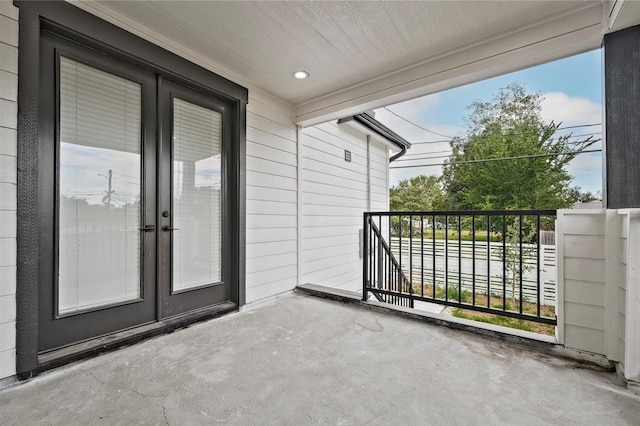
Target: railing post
365 256
380 264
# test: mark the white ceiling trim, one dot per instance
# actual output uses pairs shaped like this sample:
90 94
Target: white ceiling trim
358 130
121 21
624 14
573 32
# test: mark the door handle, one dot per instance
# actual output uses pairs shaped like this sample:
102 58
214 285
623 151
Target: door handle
148 228
167 228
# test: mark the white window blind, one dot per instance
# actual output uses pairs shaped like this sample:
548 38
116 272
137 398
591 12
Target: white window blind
99 216
197 141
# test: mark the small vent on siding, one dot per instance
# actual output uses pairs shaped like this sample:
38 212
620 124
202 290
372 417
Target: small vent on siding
347 156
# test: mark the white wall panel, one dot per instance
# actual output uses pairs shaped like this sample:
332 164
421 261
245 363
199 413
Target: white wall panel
335 193
8 178
582 235
7 308
584 338
8 57
8 85
584 269
262 249
7 224
630 305
7 336
7 363
7 280
8 168
621 300
279 285
271 198
269 180
9 138
584 292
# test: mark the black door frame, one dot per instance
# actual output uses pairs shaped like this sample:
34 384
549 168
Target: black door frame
85 324
175 303
81 27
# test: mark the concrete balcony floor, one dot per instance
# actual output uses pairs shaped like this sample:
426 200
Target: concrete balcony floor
301 360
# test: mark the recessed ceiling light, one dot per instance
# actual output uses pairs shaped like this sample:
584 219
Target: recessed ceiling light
301 75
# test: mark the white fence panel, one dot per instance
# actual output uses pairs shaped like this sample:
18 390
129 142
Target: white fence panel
455 261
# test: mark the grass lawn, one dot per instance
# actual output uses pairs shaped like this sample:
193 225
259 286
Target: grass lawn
496 303
466 235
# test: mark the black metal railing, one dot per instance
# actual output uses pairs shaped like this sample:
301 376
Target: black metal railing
388 270
486 261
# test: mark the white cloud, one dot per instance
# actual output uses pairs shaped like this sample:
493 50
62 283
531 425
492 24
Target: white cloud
586 171
570 111
417 111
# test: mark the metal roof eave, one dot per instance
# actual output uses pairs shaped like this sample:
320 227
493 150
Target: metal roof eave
370 123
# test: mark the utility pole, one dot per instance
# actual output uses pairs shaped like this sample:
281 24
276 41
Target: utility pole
107 197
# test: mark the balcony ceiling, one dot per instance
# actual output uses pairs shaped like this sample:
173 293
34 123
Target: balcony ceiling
341 44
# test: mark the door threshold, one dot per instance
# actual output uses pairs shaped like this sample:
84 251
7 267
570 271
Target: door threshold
89 348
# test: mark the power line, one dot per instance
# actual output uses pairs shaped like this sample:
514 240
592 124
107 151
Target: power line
422 158
585 134
433 157
427 153
488 160
429 156
428 142
451 137
579 126
417 125
449 140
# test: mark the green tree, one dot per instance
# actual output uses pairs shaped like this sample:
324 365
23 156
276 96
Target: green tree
419 193
512 255
510 125
577 195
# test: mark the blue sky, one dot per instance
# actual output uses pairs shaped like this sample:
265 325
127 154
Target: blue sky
572 92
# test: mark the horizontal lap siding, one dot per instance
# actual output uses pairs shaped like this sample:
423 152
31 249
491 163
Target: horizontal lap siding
379 178
583 239
271 198
8 178
334 197
621 303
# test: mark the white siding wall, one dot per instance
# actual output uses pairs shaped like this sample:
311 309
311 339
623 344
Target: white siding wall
334 195
8 174
622 286
599 251
271 197
582 236
628 302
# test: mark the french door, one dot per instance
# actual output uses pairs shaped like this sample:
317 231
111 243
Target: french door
193 190
133 188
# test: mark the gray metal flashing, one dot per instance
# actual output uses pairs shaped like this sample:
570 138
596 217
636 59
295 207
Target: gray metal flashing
368 120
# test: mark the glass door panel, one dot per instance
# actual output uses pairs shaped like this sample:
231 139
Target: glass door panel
99 188
194 142
196 198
